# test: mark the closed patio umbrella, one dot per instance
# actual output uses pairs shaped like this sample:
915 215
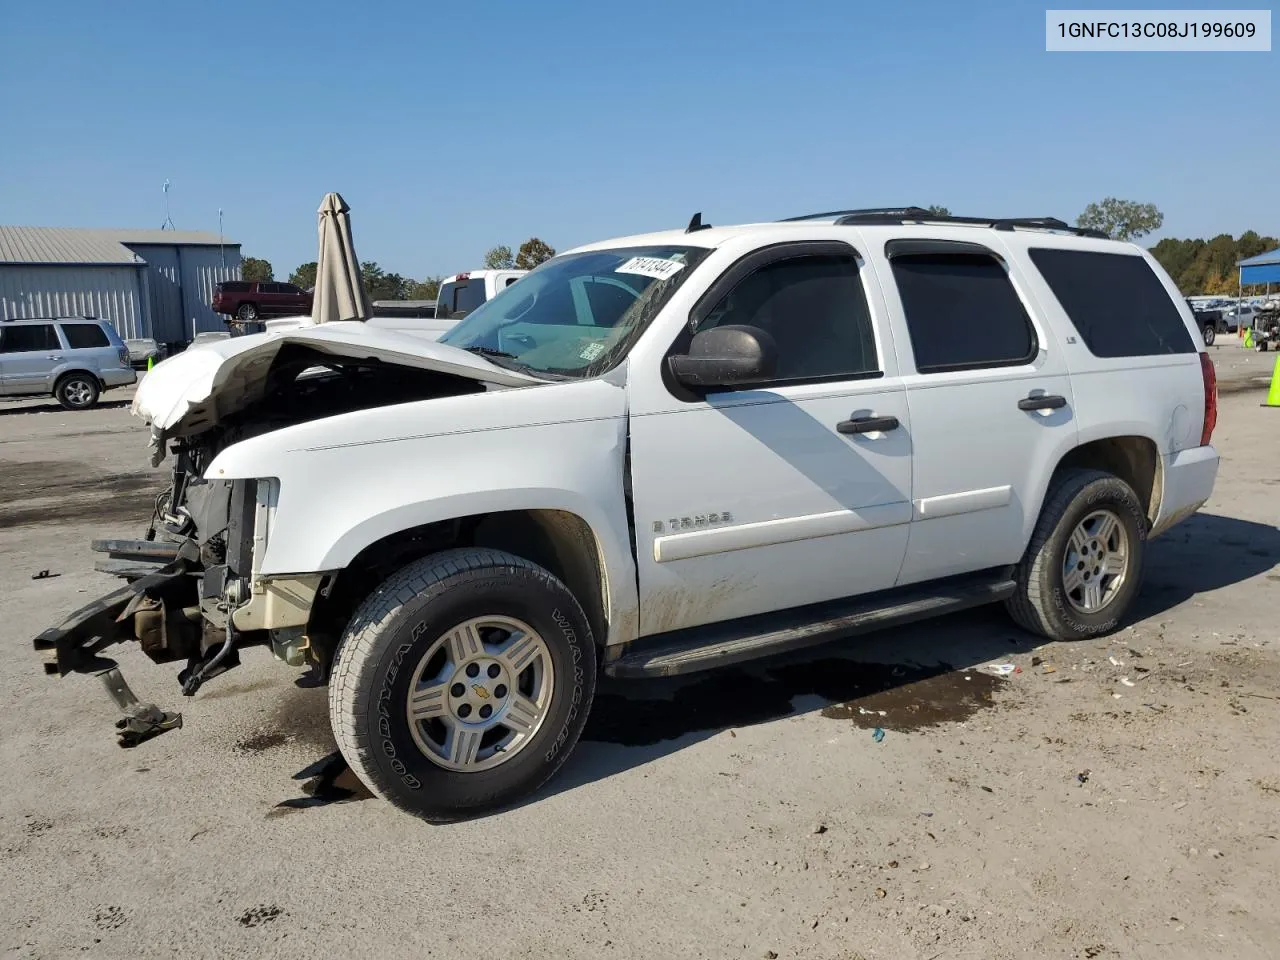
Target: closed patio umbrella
339 292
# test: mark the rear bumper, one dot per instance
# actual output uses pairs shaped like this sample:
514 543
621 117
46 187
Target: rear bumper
1188 479
118 377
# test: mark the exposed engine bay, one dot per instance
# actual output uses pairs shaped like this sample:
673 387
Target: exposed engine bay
192 578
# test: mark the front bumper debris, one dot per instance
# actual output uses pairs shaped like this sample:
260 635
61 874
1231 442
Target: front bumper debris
78 642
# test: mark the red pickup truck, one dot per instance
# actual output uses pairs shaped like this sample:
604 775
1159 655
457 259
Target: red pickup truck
248 300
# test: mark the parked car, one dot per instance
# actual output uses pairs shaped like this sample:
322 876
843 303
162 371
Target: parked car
250 300
144 350
464 292
1211 323
657 455
73 359
1239 316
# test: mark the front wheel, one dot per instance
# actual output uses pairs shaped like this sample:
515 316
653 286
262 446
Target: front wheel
462 683
1260 346
1210 334
1083 566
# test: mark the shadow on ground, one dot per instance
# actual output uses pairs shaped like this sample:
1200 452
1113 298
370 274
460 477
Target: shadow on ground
904 679
17 408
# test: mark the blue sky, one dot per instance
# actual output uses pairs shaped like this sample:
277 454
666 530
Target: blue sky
452 127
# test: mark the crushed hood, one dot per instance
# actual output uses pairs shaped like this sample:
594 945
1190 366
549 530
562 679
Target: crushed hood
193 390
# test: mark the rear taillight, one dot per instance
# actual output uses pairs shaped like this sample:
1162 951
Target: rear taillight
1210 377
124 356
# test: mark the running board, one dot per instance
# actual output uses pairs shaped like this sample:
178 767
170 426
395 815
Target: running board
715 645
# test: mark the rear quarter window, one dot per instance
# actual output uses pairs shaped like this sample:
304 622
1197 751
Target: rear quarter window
1115 301
84 336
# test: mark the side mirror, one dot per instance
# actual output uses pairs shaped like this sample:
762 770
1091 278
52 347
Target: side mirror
729 356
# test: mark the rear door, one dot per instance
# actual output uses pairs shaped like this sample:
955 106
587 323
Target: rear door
990 398
29 353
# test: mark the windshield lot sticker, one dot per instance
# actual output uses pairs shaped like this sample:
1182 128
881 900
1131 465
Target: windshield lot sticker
655 267
591 351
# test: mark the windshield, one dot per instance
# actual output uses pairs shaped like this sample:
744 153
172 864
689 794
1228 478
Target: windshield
577 314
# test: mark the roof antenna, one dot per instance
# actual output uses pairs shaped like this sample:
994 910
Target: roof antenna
168 220
696 224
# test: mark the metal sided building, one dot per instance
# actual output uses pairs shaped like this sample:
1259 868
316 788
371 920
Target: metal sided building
148 283
1264 268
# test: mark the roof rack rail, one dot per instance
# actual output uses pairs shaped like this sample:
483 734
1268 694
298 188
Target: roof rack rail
909 212
892 216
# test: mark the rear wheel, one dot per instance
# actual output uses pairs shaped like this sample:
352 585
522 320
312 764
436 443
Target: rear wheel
77 391
1210 334
247 312
1084 564
462 683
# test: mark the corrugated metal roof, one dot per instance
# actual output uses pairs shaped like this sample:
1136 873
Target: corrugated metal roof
1262 259
182 238
74 245
60 245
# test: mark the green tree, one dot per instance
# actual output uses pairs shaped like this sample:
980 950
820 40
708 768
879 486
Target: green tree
251 268
1209 266
1121 219
304 276
427 289
499 258
938 211
533 252
380 285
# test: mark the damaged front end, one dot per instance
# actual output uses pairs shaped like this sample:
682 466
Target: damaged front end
194 592
191 595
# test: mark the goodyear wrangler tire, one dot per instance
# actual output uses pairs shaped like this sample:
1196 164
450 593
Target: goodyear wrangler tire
462 683
1084 564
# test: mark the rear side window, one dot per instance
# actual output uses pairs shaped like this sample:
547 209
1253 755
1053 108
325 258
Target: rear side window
28 337
1116 303
82 336
459 298
962 312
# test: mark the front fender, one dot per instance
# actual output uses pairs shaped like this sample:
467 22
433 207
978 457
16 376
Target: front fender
348 482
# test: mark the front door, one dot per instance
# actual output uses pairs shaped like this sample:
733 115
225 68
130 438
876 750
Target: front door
990 398
29 353
760 499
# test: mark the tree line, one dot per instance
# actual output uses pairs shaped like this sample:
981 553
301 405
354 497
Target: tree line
1196 266
381 285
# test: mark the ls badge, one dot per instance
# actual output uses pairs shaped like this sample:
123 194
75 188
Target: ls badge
699 522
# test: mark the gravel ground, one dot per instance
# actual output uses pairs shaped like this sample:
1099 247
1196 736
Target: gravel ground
1116 798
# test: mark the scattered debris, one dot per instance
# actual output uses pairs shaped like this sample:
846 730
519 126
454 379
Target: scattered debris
819 828
1215 854
872 713
1036 661
1115 662
44 575
926 813
877 734
881 893
1082 777
988 789
893 864
1127 682
770 955
998 669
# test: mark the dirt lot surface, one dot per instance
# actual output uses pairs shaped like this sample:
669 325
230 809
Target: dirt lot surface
1116 798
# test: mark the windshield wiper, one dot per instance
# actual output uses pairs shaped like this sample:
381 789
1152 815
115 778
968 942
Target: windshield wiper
490 352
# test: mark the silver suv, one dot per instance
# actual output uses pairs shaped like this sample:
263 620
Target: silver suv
72 358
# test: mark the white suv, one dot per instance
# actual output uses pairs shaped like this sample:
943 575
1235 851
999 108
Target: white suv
656 455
